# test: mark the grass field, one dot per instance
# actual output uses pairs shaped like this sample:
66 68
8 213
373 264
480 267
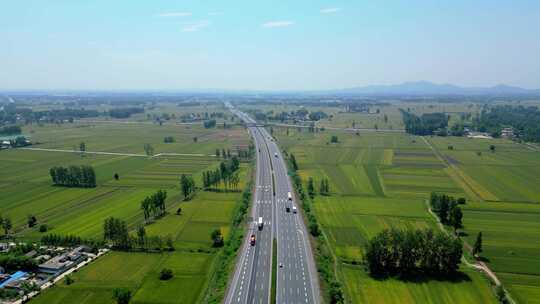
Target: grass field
139 273
377 181
27 189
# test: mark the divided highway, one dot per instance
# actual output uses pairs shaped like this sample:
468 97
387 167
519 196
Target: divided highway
296 273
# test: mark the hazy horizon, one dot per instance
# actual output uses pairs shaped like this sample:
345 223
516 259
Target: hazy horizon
266 46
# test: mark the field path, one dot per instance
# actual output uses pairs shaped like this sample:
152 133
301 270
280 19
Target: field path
339 129
461 178
114 153
478 265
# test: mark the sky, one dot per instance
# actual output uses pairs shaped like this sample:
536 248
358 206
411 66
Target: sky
266 45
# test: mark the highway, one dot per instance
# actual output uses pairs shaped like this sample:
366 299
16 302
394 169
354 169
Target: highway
296 273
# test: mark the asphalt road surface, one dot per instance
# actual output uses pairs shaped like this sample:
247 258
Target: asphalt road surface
296 274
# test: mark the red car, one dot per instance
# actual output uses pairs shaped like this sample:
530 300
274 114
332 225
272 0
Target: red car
252 240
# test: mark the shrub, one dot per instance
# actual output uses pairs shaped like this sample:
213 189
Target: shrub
165 274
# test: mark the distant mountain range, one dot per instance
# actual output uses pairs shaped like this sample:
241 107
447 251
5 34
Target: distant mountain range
413 89
428 88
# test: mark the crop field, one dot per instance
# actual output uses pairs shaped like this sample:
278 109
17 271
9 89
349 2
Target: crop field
378 180
27 190
363 289
508 213
139 272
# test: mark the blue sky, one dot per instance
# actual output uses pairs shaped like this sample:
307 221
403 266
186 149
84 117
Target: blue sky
300 44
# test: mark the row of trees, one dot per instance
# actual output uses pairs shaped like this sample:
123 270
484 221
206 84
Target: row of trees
226 173
168 139
6 224
325 261
426 124
187 185
116 232
524 120
10 130
408 252
146 242
324 188
154 205
223 153
67 241
125 112
209 124
447 209
74 176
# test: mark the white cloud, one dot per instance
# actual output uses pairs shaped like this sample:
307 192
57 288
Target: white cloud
175 14
215 14
330 10
195 26
281 23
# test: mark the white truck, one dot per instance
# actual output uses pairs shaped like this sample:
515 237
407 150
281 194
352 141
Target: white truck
260 223
294 209
289 196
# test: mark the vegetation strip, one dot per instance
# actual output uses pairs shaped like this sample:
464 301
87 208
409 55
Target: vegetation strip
274 273
324 259
225 261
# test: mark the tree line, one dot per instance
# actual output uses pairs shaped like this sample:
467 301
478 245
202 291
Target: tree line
447 209
74 176
325 261
10 130
125 112
524 120
226 173
324 187
426 124
187 185
209 124
154 205
116 232
411 252
67 241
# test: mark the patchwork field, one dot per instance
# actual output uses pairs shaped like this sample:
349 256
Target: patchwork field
377 181
139 273
27 190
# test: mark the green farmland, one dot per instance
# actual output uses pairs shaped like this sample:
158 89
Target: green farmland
382 180
27 190
138 272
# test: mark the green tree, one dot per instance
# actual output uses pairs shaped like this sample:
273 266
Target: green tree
492 148
32 221
68 280
334 139
477 248
165 274
141 236
311 187
148 149
217 238
443 211
6 225
455 217
187 185
122 295
82 147
293 162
